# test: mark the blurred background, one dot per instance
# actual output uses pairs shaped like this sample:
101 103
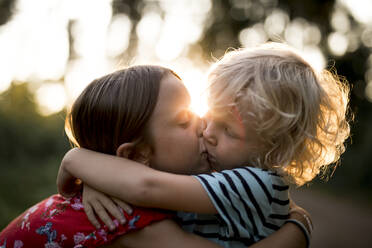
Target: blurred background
51 49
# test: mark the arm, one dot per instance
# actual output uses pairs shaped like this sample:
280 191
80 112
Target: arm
168 234
162 234
288 236
133 182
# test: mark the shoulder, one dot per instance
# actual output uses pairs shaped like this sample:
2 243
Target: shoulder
239 176
244 181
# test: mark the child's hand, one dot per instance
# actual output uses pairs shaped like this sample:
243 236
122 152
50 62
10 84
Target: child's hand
98 203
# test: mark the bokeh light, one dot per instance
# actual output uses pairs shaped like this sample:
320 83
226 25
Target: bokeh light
339 21
275 23
67 41
367 37
118 35
368 91
51 98
360 9
338 43
250 37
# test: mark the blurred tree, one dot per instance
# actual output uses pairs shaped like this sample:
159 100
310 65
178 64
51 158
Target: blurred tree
25 134
133 9
6 10
31 148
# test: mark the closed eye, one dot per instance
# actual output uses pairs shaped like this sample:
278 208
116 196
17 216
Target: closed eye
185 119
229 132
185 124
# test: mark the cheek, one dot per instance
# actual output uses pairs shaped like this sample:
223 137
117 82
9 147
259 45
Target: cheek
181 141
231 151
226 145
176 151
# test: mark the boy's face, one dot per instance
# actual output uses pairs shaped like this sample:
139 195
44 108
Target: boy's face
230 142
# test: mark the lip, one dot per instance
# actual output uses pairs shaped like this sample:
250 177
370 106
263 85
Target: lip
211 158
212 162
204 155
207 157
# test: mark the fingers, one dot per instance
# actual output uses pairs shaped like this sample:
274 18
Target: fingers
91 216
102 214
99 204
125 206
113 209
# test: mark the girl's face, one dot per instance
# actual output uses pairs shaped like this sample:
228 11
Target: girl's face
175 131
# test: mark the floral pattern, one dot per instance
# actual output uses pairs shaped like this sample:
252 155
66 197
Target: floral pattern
59 222
18 244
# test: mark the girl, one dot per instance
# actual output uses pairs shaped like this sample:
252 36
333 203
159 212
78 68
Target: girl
120 103
132 106
271 114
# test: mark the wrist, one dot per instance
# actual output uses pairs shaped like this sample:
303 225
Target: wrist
301 219
67 184
303 229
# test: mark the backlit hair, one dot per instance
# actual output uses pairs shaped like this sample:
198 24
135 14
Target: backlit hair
116 109
299 114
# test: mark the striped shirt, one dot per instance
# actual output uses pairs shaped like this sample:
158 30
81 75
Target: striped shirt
252 203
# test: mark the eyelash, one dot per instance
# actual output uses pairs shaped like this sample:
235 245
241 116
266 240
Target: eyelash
228 132
186 124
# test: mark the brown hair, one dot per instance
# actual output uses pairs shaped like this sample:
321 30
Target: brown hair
115 108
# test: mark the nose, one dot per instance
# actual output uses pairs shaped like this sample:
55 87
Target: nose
209 134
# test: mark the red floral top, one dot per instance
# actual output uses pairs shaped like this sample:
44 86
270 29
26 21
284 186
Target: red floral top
62 222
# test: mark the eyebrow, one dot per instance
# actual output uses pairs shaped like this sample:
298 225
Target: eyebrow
226 116
235 112
221 116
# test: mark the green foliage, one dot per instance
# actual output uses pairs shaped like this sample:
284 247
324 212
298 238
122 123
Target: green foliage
31 148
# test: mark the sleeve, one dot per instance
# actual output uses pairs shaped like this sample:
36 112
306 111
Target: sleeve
243 198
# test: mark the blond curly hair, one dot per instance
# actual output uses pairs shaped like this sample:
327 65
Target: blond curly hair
299 114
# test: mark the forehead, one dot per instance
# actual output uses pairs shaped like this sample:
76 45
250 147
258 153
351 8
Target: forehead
231 117
224 113
173 98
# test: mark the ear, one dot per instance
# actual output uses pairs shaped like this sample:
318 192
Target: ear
125 150
138 153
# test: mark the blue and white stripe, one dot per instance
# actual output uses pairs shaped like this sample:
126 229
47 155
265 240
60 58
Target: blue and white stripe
252 203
